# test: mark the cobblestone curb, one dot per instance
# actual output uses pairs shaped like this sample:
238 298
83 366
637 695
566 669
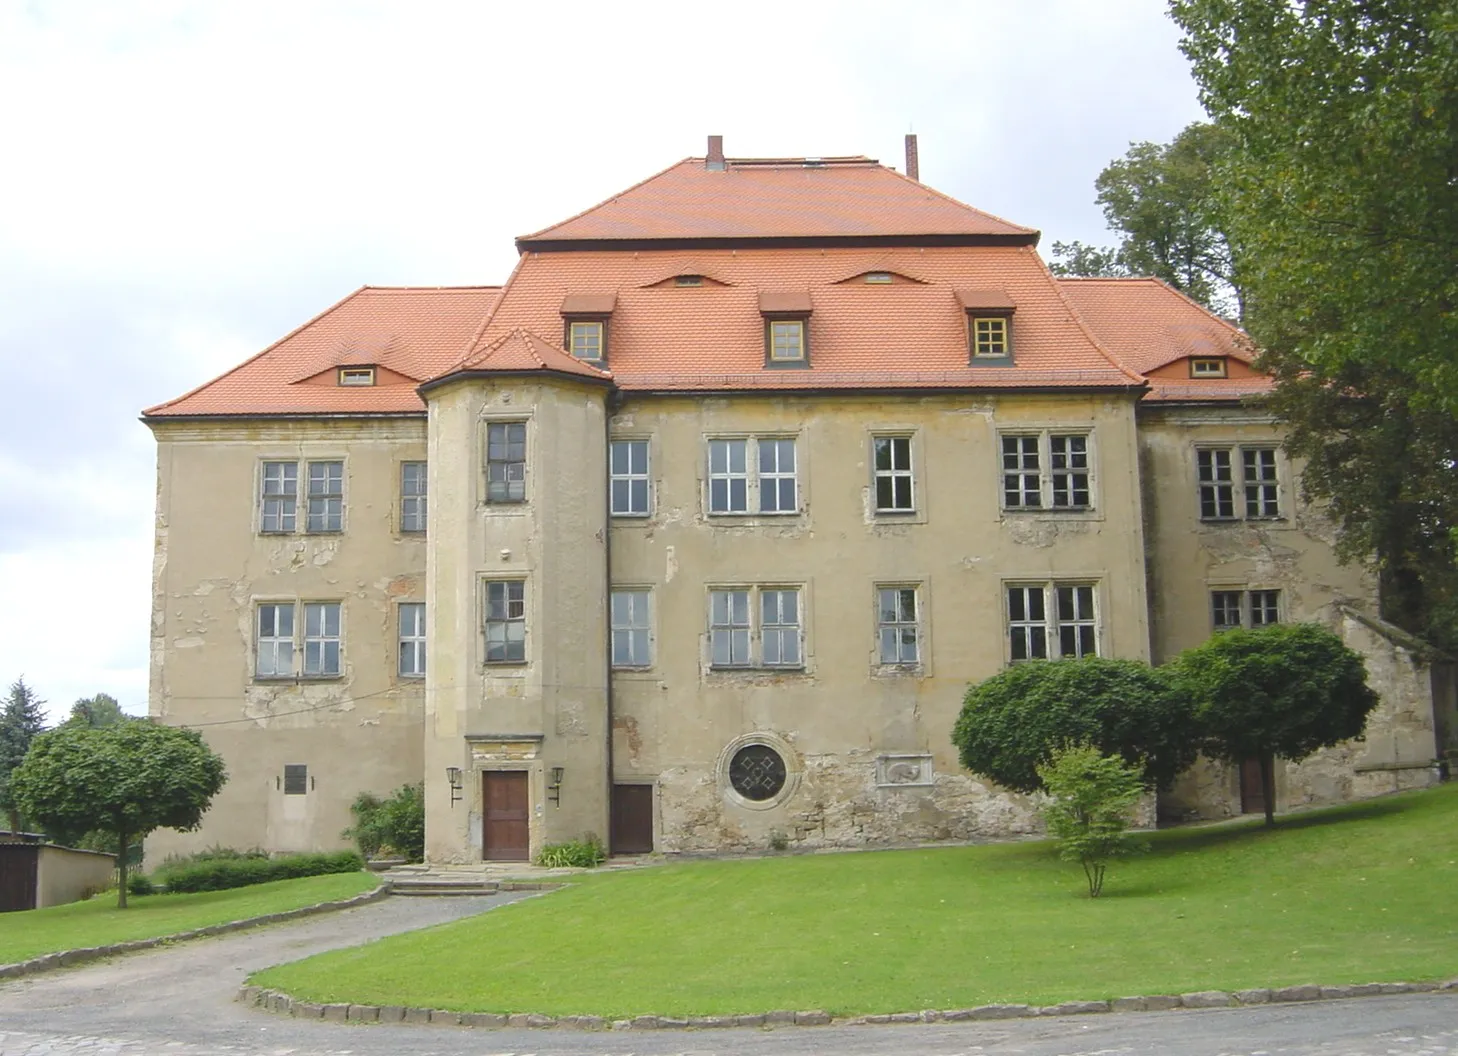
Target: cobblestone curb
279 1002
68 958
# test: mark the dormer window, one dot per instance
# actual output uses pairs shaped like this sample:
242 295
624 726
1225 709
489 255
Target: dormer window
1207 367
786 327
878 278
586 340
989 326
585 325
989 337
787 341
688 280
351 376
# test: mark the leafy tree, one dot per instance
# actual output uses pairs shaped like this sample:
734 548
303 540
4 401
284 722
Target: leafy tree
1287 690
1090 797
21 719
1340 192
1094 262
128 779
396 824
1015 720
100 710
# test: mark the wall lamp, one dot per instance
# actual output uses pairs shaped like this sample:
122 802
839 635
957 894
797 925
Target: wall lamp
554 785
453 775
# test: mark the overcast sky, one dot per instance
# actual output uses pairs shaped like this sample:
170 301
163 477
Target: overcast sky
183 183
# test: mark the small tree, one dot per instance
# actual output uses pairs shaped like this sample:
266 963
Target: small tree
127 779
100 710
1287 690
1018 718
396 824
21 720
1090 796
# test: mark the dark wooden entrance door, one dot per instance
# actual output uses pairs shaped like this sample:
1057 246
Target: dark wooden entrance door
19 863
632 819
505 824
1252 795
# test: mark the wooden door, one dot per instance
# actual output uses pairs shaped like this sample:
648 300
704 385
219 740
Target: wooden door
505 823
632 819
18 865
1252 795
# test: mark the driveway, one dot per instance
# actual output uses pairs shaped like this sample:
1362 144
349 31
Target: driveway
179 1000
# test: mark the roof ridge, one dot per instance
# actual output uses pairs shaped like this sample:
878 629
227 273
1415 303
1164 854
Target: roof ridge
256 356
611 198
1082 323
425 289
958 202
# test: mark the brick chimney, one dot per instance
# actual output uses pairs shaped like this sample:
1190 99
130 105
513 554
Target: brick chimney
714 162
912 168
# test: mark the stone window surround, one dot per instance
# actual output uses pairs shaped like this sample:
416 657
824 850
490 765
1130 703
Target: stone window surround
919 668
755 665
1238 483
648 442
614 627
298 525
1050 612
751 475
414 505
917 512
1044 431
794 770
528 596
1245 592
415 640
299 608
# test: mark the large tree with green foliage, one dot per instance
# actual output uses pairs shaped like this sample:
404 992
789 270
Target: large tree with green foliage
1283 690
128 779
100 710
1013 722
21 719
1341 193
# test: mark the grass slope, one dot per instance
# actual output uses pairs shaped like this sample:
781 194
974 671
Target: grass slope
97 922
1355 894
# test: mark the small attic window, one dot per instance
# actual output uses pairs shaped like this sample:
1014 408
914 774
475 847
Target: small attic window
356 375
586 339
1207 367
989 337
878 278
688 280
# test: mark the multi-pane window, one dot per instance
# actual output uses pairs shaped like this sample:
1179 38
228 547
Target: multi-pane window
1216 469
756 627
892 462
1242 608
279 496
295 779
506 462
1051 620
628 481
505 621
1065 484
275 652
1264 607
897 625
412 639
989 338
771 488
1225 606
326 496
412 497
586 338
787 340
631 629
321 639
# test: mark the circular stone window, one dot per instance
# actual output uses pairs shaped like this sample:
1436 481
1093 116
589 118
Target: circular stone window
757 772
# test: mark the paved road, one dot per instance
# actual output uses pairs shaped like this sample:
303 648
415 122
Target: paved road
178 1001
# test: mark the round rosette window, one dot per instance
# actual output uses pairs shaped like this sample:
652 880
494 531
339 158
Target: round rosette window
757 772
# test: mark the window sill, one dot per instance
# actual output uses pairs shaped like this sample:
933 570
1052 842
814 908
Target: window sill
278 679
615 515
490 665
411 678
898 671
757 669
632 669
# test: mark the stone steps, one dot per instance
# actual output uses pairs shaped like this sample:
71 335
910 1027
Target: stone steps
440 885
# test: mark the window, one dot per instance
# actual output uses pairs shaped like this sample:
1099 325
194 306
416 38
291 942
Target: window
326 496
1216 469
506 621
629 478
1051 621
275 653
321 639
1066 484
688 280
506 462
279 496
892 461
630 628
1242 608
772 489
757 772
412 639
412 497
876 278
897 626
1213 367
586 340
989 337
295 779
736 641
786 340
357 376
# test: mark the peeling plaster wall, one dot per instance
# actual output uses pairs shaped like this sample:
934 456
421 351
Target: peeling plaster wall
359 732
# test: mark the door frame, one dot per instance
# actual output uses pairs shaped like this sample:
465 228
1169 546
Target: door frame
532 771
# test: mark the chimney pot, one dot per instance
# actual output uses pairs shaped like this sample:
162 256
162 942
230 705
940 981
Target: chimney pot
715 159
913 169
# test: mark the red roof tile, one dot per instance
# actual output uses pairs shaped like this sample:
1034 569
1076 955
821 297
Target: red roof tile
777 198
520 350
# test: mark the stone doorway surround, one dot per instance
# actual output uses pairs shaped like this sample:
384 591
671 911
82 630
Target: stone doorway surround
490 752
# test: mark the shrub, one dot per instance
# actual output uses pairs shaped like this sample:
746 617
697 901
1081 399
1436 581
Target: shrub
581 854
395 825
1087 808
1015 720
139 884
218 874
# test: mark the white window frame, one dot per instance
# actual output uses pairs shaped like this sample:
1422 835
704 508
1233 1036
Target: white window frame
354 376
893 623
512 613
741 617
325 496
1252 480
752 477
512 480
1036 473
278 647
414 497
323 639
411 625
587 335
278 496
1052 618
1258 607
630 615
893 472
621 482
1207 367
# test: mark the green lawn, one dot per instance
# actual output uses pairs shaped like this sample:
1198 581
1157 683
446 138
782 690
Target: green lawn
97 922
1355 894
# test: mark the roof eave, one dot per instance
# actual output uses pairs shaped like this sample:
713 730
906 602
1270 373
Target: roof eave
523 372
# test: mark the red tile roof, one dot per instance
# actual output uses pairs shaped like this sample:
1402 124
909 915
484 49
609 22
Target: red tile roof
777 198
520 350
411 331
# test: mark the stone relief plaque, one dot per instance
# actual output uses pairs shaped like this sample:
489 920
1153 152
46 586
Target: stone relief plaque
900 771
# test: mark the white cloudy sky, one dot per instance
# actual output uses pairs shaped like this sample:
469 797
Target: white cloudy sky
181 183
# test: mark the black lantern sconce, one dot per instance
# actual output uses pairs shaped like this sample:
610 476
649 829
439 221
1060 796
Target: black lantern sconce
554 785
453 775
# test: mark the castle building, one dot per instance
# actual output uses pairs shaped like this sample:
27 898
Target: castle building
692 535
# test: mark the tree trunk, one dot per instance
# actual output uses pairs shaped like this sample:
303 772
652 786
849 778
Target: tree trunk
1268 786
121 887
